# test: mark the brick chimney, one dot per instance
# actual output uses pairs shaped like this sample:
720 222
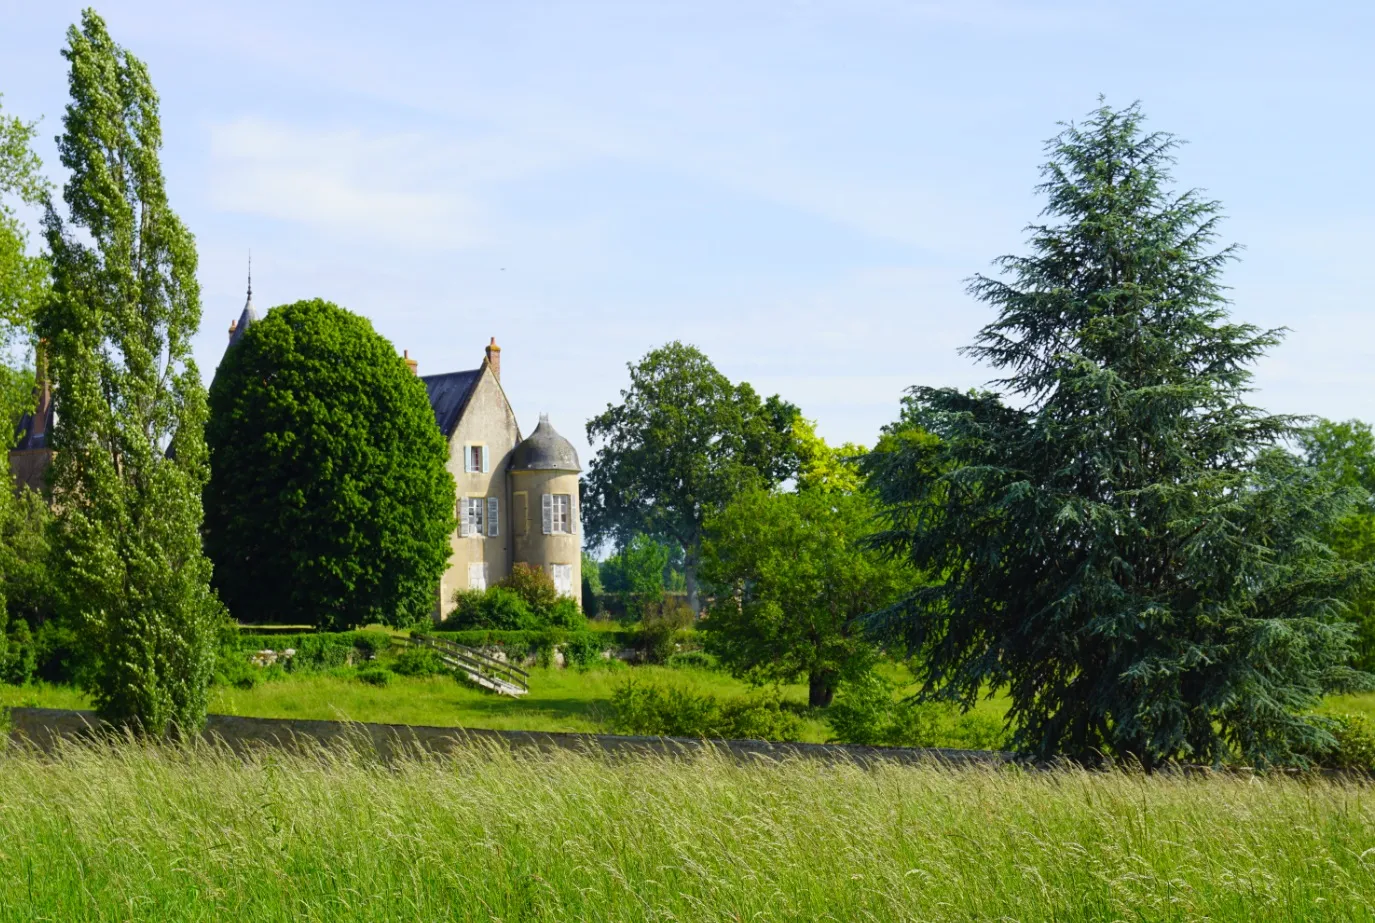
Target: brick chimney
494 358
410 363
233 325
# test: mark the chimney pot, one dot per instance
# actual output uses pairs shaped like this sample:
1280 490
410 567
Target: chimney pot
410 363
233 325
494 358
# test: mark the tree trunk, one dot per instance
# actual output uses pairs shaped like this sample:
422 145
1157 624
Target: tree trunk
690 578
821 689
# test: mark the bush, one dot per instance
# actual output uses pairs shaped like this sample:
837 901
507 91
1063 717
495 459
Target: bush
866 714
375 676
498 607
651 710
583 649
18 654
532 585
565 614
693 660
658 636
1355 743
418 661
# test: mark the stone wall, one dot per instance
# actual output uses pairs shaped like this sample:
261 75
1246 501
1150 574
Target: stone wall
44 727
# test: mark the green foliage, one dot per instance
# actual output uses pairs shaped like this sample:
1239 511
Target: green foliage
583 649
1345 453
496 607
504 608
24 277
1122 548
418 661
375 676
26 592
683 442
792 583
329 502
653 710
662 627
693 660
823 468
533 585
1353 744
591 586
312 652
866 713
130 408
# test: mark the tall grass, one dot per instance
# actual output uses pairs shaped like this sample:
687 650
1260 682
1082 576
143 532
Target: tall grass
138 832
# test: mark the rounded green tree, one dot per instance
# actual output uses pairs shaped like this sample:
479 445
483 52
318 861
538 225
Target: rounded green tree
329 502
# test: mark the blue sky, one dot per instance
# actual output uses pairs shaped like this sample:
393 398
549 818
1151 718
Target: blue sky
798 188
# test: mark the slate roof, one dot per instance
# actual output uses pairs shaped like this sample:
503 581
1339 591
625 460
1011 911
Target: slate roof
449 394
27 439
246 319
545 450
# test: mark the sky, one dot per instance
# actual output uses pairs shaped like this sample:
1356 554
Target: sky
801 189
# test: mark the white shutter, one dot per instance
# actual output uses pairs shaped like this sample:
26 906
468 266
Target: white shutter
486 465
547 503
463 525
492 517
467 458
477 575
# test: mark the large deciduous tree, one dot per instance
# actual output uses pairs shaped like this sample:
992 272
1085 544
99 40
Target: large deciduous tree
130 407
792 584
1124 551
1345 453
329 500
681 444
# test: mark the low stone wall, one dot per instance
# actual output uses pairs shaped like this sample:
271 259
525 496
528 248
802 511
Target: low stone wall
43 728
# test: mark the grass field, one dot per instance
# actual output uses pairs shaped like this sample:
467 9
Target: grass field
140 833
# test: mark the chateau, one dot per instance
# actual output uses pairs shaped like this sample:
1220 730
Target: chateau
517 498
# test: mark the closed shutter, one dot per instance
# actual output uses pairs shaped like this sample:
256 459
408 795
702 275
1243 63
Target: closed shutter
463 525
492 517
486 464
467 457
548 509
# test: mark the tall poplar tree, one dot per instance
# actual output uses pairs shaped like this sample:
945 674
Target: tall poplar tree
130 407
1125 549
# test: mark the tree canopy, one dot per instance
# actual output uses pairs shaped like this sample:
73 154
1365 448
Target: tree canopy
683 441
129 404
329 500
24 276
1122 548
792 584
1345 453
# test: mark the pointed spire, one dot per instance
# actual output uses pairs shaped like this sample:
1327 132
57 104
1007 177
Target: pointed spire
249 316
250 276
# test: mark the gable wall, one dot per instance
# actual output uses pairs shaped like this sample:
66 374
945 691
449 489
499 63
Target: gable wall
487 420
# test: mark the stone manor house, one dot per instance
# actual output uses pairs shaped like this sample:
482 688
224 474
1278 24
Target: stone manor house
517 498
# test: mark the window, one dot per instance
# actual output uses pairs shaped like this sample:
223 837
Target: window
492 517
471 516
558 514
475 459
477 575
563 578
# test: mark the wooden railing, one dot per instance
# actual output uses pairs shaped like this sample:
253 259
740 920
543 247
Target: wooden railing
475 662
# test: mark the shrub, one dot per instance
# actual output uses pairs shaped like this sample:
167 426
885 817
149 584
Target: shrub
1355 743
648 709
532 585
693 660
498 607
375 676
565 614
418 661
18 654
664 618
371 644
583 649
866 714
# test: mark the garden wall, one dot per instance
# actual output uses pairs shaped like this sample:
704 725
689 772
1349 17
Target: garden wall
44 727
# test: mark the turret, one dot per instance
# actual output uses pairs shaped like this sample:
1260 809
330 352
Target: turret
544 496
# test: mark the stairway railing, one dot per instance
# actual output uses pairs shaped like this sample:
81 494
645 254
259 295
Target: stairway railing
475 662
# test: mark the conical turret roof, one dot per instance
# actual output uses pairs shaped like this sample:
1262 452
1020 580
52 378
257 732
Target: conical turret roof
545 450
